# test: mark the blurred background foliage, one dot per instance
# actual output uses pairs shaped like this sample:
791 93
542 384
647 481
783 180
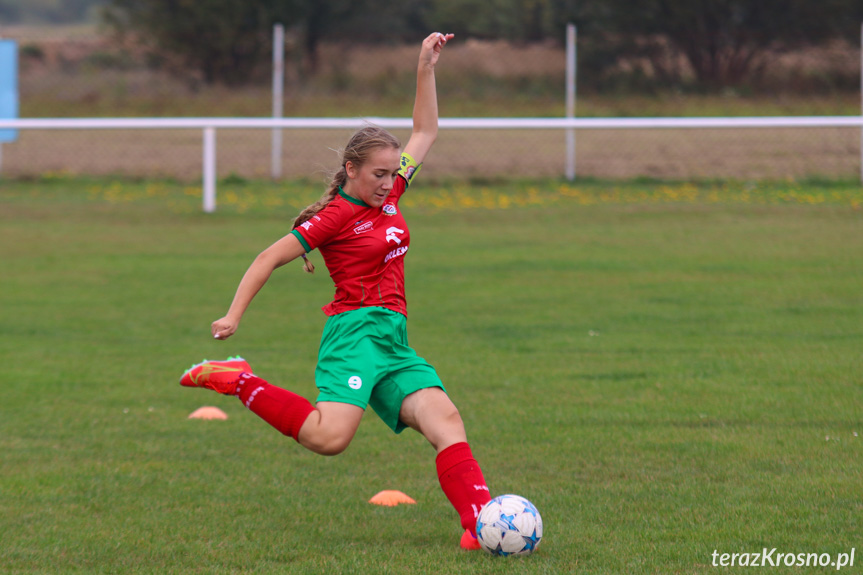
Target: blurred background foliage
357 58
624 45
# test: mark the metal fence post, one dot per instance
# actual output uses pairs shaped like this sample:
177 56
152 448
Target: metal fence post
570 99
209 170
278 98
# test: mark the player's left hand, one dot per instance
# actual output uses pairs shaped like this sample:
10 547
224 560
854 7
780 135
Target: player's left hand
432 47
223 328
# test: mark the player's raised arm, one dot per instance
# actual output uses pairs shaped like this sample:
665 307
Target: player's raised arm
425 117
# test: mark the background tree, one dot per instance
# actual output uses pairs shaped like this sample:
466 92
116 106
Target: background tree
10 12
223 43
722 41
476 18
48 11
515 20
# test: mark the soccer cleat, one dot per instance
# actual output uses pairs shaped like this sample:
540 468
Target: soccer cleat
220 376
469 541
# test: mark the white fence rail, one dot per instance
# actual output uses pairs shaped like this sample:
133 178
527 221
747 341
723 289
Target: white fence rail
210 125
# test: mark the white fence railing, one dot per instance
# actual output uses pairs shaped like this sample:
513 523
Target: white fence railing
569 125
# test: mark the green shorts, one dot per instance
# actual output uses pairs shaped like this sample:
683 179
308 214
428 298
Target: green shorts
365 359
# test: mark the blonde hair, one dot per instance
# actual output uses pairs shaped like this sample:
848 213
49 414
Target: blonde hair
358 150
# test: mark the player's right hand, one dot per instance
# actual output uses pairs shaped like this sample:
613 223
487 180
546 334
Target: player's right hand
223 328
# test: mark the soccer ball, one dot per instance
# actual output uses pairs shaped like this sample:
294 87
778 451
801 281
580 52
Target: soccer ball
509 525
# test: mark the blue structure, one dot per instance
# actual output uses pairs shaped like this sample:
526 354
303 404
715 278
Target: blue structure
8 87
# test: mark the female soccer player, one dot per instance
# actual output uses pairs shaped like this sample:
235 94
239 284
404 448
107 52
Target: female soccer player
364 357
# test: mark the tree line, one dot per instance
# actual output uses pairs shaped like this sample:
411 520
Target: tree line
48 11
723 42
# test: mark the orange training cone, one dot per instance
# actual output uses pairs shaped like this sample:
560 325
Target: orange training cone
391 498
208 413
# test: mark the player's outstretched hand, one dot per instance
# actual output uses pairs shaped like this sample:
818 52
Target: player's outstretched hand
223 328
432 47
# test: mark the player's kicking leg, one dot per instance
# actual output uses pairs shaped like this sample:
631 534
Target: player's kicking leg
283 409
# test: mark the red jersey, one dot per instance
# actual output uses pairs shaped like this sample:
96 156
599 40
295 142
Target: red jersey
363 247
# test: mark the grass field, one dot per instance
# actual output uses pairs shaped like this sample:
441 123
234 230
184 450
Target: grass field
665 369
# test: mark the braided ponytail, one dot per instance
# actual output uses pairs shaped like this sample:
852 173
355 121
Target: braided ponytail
359 148
339 179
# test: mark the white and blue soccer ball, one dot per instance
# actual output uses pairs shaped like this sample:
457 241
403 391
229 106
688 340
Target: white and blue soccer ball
509 525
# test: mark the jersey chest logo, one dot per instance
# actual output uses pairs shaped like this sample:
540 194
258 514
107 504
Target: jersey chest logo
363 227
393 235
389 209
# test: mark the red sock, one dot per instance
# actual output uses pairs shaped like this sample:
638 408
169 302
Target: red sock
462 482
283 409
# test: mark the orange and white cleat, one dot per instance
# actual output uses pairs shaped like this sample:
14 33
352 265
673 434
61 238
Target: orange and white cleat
469 541
220 376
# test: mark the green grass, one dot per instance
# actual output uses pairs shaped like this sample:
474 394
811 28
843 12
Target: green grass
666 369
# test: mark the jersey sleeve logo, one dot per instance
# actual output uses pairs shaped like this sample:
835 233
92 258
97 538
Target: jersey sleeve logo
307 225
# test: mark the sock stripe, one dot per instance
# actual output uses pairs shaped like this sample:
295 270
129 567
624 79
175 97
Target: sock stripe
252 396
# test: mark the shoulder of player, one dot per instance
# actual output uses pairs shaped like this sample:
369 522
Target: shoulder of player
341 211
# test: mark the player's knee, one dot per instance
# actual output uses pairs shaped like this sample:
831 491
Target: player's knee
330 450
330 445
449 413
443 414
452 419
